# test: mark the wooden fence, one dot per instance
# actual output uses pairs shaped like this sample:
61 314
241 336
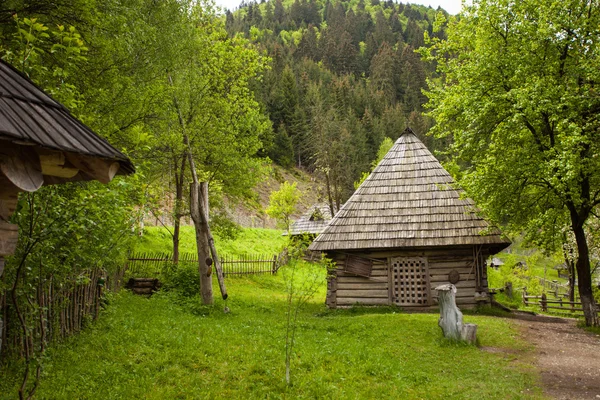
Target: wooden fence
559 290
55 310
155 263
559 303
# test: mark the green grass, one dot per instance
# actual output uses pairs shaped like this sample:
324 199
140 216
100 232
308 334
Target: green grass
166 348
250 241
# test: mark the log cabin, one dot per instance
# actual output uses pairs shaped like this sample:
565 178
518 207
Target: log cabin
41 143
406 230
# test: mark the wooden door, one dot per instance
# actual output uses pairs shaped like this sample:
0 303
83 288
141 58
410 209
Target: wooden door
410 281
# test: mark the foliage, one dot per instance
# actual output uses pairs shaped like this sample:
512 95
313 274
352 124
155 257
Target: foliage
517 96
164 350
64 232
384 147
224 227
283 203
300 290
182 279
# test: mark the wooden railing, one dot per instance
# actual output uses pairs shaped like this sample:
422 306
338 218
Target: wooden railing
556 304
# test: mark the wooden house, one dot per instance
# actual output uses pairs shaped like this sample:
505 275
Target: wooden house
496 263
406 230
41 143
313 221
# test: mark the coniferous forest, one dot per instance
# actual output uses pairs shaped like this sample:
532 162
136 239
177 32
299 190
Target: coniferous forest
344 75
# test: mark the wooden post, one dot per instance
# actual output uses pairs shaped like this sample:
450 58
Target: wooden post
274 270
525 296
451 318
509 290
544 302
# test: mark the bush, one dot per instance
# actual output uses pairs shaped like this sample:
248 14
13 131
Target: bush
182 279
224 227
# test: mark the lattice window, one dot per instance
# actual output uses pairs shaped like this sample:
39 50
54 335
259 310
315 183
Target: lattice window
410 281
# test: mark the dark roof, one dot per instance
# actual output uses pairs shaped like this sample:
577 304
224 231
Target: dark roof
408 201
28 116
313 221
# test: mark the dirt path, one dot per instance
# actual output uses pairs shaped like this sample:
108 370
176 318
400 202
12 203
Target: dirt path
568 357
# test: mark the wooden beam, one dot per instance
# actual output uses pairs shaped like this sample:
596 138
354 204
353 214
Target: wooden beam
54 164
22 168
9 195
8 238
97 168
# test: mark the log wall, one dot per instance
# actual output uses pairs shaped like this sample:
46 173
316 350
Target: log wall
345 289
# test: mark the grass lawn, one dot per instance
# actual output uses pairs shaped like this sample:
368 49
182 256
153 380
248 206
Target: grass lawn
166 347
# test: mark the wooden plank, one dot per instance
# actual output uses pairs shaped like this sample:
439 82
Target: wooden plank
440 280
9 235
464 270
348 301
376 293
459 285
374 274
358 279
364 285
434 255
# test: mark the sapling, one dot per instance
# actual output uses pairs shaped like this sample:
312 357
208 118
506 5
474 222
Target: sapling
302 283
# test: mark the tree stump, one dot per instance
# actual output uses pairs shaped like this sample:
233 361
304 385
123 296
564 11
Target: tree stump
451 318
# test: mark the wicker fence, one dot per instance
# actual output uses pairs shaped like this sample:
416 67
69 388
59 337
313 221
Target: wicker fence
54 310
155 263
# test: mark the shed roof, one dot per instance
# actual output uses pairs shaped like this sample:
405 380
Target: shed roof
313 221
28 116
408 201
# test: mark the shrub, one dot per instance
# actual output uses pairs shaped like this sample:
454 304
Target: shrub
182 279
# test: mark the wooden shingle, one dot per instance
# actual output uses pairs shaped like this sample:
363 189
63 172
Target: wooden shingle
313 221
409 200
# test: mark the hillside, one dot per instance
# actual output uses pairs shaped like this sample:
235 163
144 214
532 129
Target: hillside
251 213
344 75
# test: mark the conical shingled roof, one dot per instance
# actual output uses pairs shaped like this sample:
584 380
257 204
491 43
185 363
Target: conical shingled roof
407 201
308 224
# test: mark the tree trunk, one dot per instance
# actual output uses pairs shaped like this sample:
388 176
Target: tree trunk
329 197
451 318
204 259
204 210
177 212
572 279
584 274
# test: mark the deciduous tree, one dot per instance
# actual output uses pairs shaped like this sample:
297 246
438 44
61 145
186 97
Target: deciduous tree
520 96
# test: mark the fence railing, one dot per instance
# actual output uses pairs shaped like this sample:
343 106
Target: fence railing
556 304
556 288
156 263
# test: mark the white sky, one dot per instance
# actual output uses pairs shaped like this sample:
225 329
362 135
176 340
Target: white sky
452 6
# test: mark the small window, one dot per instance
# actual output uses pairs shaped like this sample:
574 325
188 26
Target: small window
358 266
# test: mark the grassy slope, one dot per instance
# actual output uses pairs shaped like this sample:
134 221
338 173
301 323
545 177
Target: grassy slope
158 348
250 241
